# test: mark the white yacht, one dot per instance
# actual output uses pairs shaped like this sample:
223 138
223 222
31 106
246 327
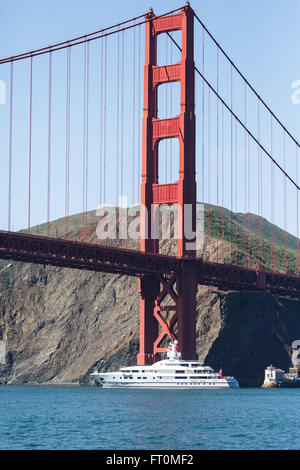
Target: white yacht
174 373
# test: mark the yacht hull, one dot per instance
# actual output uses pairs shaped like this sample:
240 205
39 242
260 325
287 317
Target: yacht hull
218 385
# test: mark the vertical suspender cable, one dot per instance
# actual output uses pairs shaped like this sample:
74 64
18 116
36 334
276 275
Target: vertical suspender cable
101 123
84 143
122 118
223 186
259 195
87 133
67 170
10 142
297 209
236 187
118 122
105 119
245 224
49 143
231 161
208 173
133 118
249 200
285 207
261 210
272 203
217 101
30 147
203 114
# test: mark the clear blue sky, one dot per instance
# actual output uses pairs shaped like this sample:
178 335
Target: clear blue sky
262 38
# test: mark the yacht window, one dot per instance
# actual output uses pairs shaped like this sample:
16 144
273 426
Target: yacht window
144 377
178 371
134 370
139 377
180 377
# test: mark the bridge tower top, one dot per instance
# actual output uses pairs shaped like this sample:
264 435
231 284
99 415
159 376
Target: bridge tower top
182 127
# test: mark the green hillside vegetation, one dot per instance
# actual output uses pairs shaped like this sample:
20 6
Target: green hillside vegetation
237 235
239 230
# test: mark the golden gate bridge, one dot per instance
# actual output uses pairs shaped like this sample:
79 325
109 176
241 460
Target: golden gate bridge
246 161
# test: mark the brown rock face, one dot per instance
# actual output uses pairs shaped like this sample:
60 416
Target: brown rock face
58 324
256 329
270 385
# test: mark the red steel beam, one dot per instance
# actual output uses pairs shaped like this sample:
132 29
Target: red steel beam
166 74
92 257
74 254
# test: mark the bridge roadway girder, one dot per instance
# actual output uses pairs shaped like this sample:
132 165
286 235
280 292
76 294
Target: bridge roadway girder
75 254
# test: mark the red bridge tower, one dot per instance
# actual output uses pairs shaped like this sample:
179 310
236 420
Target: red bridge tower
169 302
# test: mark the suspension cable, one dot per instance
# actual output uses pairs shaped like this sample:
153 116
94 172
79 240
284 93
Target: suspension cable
243 125
104 32
246 81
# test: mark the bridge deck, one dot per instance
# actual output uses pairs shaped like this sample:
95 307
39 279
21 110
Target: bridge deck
75 254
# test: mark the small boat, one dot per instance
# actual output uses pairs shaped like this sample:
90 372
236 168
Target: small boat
275 377
170 373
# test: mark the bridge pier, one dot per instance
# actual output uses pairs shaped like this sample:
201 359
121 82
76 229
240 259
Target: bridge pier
168 310
186 313
148 289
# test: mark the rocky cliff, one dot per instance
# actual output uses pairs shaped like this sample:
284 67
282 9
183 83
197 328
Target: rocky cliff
58 324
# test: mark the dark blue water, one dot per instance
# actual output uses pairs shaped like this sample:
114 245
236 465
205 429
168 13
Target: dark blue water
95 418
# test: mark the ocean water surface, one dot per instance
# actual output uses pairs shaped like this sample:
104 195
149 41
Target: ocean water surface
97 418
